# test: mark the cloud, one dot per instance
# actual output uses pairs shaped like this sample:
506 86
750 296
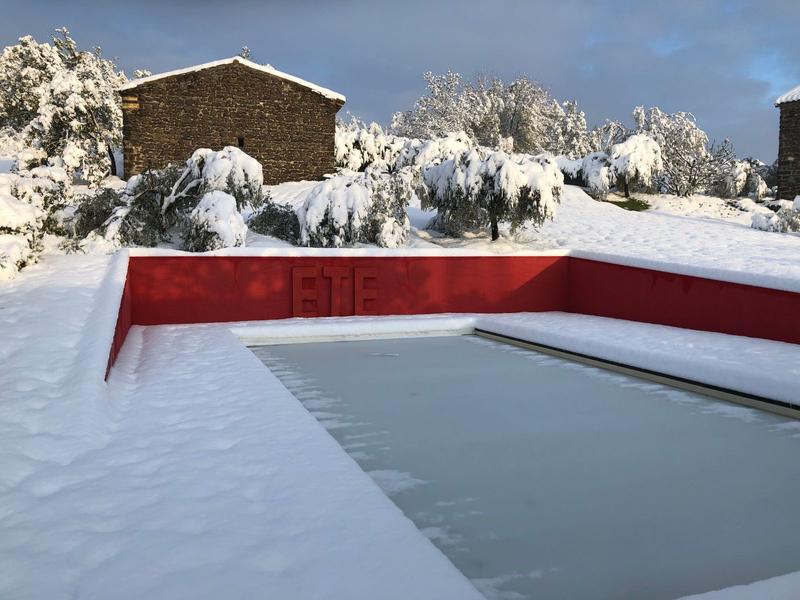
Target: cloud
723 61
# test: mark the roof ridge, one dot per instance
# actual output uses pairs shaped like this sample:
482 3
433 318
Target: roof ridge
226 61
790 96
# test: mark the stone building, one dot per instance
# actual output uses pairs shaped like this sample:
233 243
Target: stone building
286 123
789 144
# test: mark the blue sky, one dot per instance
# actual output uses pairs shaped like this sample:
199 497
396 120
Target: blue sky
723 61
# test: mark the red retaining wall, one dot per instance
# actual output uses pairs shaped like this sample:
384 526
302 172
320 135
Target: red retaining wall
634 294
201 289
124 322
213 289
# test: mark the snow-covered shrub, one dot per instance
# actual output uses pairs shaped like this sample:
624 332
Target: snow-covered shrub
134 216
786 219
164 205
637 160
334 212
94 210
215 223
480 188
597 174
20 233
350 208
387 219
276 220
229 170
48 188
756 187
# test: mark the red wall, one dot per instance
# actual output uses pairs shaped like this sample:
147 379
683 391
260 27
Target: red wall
634 294
201 289
124 322
212 289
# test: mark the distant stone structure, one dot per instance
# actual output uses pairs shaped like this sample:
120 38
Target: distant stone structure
789 144
286 123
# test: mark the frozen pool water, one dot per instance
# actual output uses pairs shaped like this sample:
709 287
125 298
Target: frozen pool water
543 478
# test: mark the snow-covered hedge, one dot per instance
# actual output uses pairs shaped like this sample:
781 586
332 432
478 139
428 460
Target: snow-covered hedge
215 223
359 146
480 187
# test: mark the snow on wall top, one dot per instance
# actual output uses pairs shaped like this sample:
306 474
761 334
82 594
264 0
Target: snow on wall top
790 96
238 59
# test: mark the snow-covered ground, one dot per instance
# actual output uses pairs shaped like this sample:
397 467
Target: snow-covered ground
194 473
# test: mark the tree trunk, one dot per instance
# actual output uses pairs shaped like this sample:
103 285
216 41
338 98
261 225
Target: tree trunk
495 230
627 189
112 160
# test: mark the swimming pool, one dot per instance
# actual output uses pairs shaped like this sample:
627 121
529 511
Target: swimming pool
541 477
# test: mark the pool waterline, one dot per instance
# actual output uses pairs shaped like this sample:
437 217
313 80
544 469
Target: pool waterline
529 488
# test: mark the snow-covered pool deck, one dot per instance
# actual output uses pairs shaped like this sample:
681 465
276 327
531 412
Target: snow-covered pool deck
194 472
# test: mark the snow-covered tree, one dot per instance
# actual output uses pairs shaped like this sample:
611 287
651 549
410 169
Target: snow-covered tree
245 53
637 160
603 137
359 145
26 68
573 131
439 112
519 116
480 187
690 163
79 118
592 171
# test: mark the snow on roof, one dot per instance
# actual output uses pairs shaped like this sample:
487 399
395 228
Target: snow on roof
790 96
248 63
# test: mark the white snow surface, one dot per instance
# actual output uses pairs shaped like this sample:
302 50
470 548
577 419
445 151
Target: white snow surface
134 83
195 473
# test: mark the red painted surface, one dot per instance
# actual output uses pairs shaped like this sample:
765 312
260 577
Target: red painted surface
214 289
124 322
199 289
634 294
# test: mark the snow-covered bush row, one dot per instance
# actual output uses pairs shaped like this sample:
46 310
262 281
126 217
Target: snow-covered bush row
176 204
350 208
63 102
20 232
480 187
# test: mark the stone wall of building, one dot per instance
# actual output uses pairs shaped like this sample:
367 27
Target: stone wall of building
789 151
286 126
